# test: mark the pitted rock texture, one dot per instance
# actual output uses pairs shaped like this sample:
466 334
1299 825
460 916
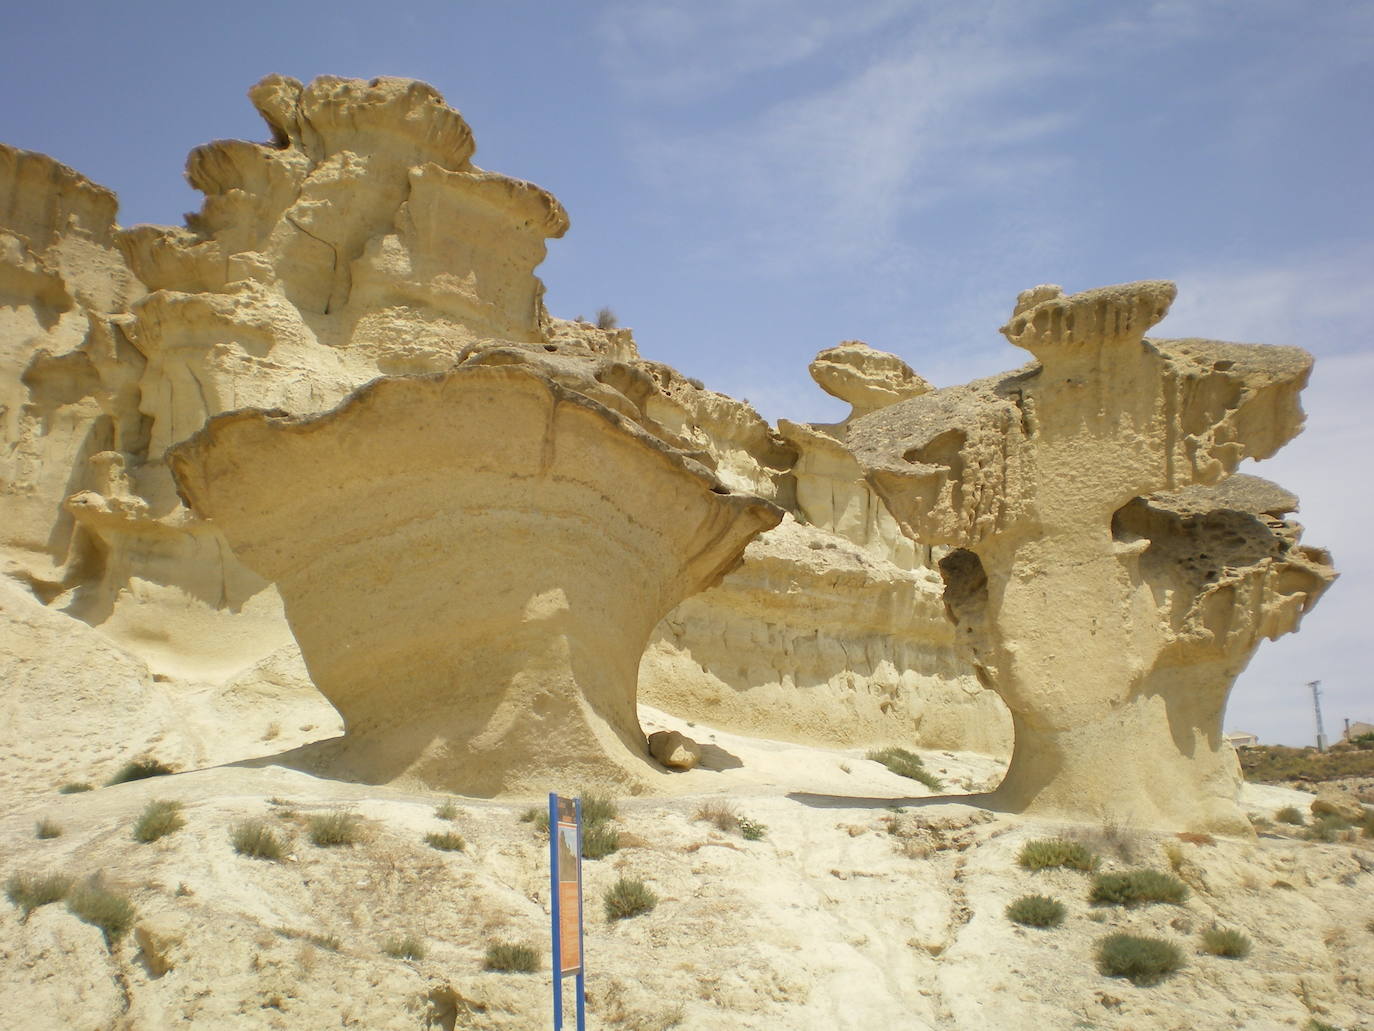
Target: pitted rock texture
1108 600
867 378
472 563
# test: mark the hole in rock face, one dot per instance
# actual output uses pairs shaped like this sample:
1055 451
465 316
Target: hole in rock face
551 348
966 585
718 489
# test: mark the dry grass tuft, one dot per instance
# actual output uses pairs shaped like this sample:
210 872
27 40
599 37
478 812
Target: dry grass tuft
111 912
29 891
257 840
407 947
511 958
159 818
331 830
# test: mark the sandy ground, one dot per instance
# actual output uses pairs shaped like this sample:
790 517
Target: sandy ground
866 904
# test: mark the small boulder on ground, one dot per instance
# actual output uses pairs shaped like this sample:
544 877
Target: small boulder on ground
675 750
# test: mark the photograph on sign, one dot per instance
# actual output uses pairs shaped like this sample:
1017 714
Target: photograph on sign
567 853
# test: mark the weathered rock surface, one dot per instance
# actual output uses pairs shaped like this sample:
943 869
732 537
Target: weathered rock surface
832 631
1107 599
362 241
867 378
471 564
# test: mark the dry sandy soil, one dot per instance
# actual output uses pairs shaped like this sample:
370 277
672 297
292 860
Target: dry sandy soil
865 905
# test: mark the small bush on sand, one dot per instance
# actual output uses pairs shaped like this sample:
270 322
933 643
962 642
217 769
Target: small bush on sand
446 842
257 840
1136 888
29 891
599 837
1036 911
1144 961
47 829
408 947
906 764
74 788
751 830
538 817
1319 1025
330 830
511 958
139 769
446 811
627 898
1221 941
158 819
1290 814
599 841
1046 853
721 815
111 912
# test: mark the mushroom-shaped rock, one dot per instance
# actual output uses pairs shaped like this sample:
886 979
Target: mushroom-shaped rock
472 563
867 378
1099 586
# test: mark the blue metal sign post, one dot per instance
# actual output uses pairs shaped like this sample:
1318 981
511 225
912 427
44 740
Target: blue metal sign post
565 894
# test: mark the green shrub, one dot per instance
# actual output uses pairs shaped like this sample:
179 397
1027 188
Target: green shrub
1145 961
627 898
1137 887
74 788
446 842
1290 814
112 913
158 819
139 769
1319 1025
751 830
538 817
1036 911
1225 942
257 840
409 947
1045 853
599 837
47 829
446 811
329 830
598 809
29 891
511 958
599 841
906 764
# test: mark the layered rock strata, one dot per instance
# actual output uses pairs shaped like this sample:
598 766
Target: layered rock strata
1107 599
832 630
472 563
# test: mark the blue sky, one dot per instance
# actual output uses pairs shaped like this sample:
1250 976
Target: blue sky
751 181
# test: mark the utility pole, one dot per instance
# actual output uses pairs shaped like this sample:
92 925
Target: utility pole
1316 686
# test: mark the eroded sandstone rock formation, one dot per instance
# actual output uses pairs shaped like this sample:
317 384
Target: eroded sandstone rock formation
1100 582
472 563
832 630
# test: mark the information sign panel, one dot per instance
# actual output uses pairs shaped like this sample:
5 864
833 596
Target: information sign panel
565 903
